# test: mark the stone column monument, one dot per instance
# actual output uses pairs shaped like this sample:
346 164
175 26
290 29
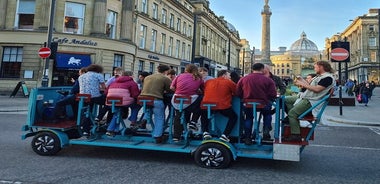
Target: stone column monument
265 39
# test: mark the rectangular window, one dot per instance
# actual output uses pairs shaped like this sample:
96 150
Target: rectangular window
170 47
373 56
184 28
117 60
155 11
142 36
372 27
177 45
183 54
372 41
163 43
178 24
171 21
74 16
141 65
111 24
190 31
25 14
11 62
151 67
189 52
144 6
154 39
163 16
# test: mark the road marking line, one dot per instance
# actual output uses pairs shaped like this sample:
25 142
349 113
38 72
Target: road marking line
12 182
376 130
346 147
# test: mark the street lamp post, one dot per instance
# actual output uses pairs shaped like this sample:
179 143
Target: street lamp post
252 56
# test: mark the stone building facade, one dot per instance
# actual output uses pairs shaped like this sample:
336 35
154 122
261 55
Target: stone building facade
217 41
136 35
363 36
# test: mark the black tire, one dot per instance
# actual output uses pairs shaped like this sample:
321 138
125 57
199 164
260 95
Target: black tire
46 143
213 156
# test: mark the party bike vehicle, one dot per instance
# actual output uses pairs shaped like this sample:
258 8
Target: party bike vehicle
51 133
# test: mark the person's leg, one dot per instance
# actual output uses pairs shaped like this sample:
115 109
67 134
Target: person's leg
112 125
289 102
267 119
195 109
204 121
248 121
178 128
365 99
232 118
295 112
60 106
159 118
135 108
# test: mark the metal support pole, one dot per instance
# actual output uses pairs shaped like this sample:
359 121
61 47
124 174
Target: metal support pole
45 79
243 62
378 45
340 89
346 70
229 54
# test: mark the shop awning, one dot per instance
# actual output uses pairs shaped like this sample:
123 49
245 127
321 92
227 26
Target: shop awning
72 61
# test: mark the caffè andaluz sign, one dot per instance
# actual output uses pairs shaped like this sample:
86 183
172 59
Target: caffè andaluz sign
74 41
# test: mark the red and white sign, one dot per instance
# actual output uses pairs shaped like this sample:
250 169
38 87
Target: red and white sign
339 54
44 52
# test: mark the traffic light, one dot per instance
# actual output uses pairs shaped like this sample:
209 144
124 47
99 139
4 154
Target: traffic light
53 48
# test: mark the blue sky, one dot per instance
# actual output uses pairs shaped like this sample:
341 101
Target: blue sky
317 18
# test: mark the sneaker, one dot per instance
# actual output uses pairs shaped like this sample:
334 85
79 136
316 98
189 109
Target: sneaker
133 124
206 136
86 134
161 139
266 135
224 138
97 120
143 124
110 134
175 139
193 126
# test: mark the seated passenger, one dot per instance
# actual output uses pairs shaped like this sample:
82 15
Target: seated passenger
92 83
189 83
258 87
219 91
281 89
156 85
69 99
316 90
124 87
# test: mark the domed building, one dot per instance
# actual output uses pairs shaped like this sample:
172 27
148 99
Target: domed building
304 46
298 60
